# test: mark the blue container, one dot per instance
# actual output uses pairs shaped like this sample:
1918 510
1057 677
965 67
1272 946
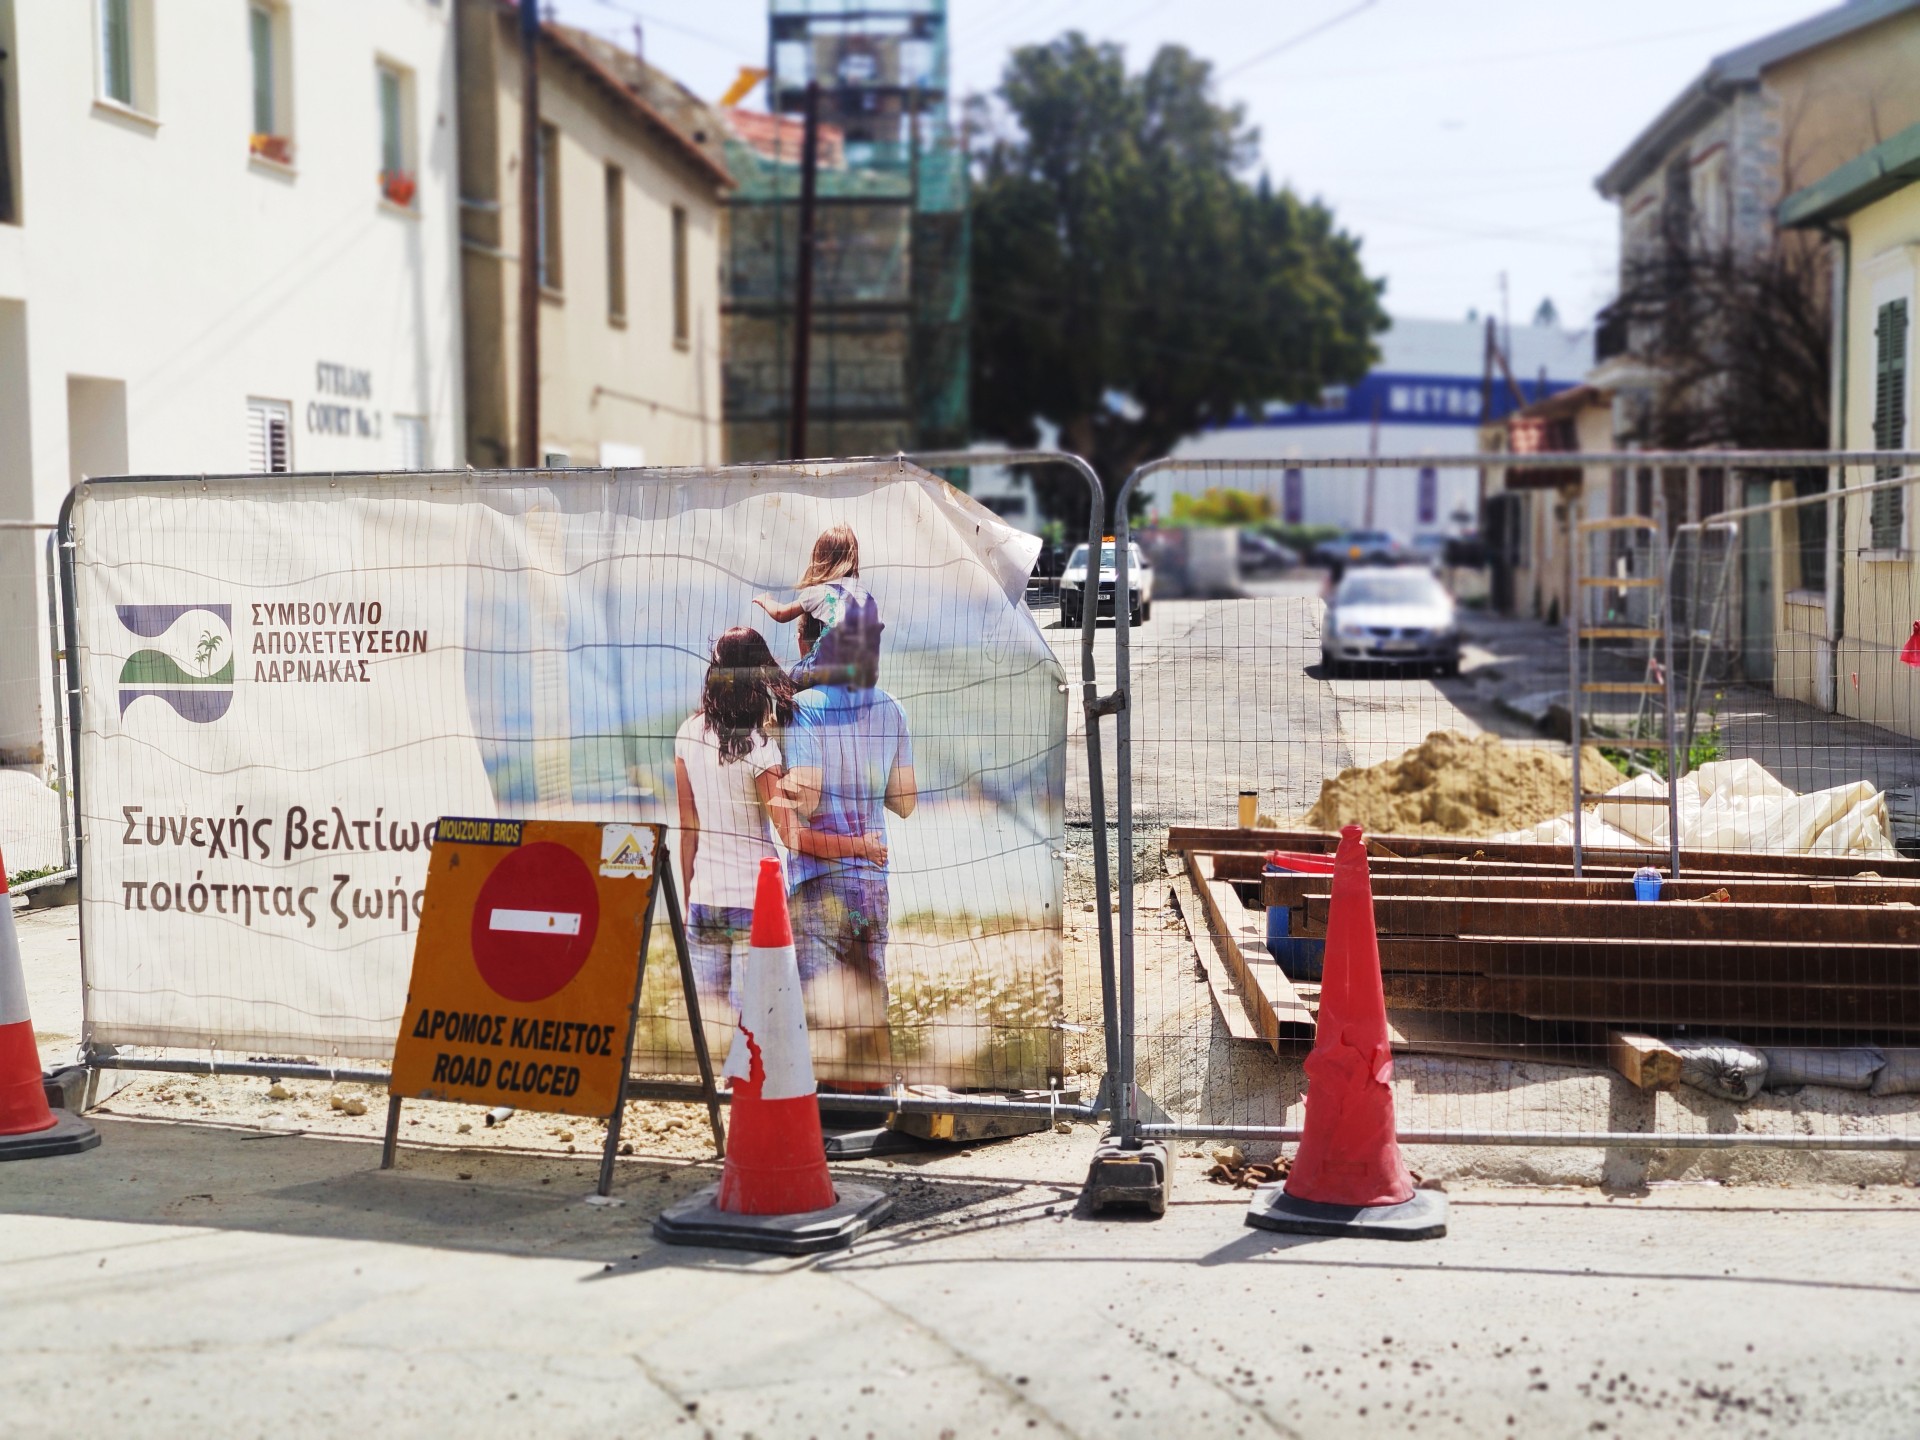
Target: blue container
1646 884
1298 959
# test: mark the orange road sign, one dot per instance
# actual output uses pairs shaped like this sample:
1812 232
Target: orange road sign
528 963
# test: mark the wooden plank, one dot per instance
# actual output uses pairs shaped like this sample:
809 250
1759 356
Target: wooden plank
1647 1061
1184 838
1627 919
1782 964
1276 1011
1290 889
1235 1012
1494 1037
1644 1003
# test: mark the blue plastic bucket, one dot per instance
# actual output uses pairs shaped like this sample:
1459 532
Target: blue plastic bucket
1298 959
1646 884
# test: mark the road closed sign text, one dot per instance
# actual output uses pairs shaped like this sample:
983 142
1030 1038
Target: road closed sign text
524 971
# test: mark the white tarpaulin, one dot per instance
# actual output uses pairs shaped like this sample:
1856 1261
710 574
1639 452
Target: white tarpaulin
1732 805
287 680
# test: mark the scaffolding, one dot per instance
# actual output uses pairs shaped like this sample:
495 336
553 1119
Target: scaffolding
889 350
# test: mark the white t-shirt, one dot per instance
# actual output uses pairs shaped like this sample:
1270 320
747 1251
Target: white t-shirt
829 601
734 831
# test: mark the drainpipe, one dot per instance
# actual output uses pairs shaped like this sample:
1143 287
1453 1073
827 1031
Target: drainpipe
1837 476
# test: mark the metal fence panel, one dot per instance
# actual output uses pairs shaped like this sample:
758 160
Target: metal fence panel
1535 1000
545 702
34 822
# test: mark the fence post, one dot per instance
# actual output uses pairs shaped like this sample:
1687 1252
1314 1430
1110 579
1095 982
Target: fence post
1667 550
1576 614
1094 706
57 656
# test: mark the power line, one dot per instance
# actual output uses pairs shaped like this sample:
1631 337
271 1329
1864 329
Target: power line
1441 65
1294 40
732 47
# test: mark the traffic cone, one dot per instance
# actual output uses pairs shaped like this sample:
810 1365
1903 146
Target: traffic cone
775 1192
29 1127
1347 1177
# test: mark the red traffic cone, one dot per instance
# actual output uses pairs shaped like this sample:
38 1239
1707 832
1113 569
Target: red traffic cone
1910 652
775 1192
29 1127
1348 1177
776 1158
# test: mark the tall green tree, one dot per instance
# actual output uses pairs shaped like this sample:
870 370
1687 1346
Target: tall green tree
1129 285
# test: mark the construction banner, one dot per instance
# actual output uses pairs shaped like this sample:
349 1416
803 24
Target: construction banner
287 680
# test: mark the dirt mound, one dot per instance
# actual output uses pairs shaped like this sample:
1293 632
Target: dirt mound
1454 784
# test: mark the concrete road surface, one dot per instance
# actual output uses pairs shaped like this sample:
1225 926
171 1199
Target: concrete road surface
1231 693
194 1281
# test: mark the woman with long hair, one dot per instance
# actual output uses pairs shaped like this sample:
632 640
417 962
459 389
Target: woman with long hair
728 777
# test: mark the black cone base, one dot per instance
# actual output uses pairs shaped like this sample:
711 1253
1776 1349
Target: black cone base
69 1136
1424 1217
695 1221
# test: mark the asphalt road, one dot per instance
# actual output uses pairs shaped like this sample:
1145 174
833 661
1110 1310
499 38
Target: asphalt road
1230 694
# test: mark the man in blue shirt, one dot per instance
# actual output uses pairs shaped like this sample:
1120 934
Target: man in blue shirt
849 761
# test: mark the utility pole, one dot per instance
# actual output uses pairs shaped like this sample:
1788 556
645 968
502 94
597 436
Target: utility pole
528 418
803 277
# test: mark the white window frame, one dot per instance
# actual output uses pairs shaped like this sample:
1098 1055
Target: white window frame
405 140
140 100
279 79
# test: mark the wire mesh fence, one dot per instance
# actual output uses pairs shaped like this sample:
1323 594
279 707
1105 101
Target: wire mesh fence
35 834
1631 618
291 679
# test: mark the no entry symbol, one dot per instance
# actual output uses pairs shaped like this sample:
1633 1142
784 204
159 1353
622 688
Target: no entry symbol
534 922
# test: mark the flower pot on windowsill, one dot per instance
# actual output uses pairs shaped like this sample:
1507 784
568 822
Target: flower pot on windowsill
277 148
397 186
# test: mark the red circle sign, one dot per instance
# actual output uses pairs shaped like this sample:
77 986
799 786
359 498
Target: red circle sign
534 921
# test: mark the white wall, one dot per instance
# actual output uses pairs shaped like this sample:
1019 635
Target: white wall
156 254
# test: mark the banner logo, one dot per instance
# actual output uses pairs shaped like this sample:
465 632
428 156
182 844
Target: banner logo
190 664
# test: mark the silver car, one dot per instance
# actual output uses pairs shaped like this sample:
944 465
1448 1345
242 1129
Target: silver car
1391 617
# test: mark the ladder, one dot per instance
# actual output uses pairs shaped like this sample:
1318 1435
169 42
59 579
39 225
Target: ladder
1625 599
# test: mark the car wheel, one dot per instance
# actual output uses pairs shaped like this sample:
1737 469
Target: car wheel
1069 616
1449 668
1329 667
1146 609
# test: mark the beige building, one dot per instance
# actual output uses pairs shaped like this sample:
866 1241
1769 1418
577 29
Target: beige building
1705 177
1847 657
1526 510
631 183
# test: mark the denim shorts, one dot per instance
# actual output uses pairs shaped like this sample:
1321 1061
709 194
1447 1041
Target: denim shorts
841 919
718 939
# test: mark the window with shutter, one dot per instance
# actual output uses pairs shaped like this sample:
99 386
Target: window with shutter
1888 513
269 437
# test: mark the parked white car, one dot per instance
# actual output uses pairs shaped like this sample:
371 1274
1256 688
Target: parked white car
1073 585
1402 616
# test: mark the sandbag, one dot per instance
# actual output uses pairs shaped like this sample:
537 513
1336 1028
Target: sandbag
1725 1068
1900 1075
1851 1068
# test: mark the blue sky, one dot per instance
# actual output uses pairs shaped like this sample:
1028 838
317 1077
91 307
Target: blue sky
1460 140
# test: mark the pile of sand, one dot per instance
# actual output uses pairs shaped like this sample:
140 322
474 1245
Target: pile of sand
1456 784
